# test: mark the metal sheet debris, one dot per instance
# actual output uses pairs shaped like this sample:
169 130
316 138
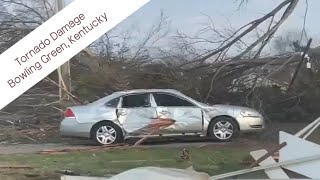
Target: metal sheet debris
82 178
298 148
305 162
157 173
154 173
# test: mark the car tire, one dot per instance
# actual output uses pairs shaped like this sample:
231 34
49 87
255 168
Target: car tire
223 129
107 133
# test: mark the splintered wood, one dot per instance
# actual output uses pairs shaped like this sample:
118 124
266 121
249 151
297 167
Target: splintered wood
249 161
154 127
84 149
268 154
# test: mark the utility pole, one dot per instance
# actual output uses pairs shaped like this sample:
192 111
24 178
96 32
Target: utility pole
64 70
304 53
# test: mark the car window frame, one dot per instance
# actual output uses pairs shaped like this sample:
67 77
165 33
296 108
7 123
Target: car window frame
174 95
133 94
105 104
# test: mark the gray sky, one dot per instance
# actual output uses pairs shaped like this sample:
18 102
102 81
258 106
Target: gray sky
188 15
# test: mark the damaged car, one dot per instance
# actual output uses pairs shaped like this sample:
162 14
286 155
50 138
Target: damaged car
137 113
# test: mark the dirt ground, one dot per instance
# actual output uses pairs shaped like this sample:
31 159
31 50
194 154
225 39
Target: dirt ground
31 139
25 144
35 148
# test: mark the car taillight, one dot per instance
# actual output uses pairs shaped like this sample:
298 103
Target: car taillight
69 114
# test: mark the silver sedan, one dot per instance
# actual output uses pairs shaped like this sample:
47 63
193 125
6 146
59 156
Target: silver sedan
134 113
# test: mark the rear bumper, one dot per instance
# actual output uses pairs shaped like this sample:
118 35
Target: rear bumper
251 124
71 128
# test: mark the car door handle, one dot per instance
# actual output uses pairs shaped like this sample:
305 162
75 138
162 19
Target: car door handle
121 112
163 112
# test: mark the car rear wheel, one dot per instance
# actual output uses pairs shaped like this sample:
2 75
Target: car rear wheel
223 129
107 133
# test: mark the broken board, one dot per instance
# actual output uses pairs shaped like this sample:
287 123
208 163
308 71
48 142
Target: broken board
298 148
276 173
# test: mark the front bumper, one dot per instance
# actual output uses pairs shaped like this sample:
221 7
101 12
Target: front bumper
69 127
251 123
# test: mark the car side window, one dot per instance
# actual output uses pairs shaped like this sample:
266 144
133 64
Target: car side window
137 100
113 103
170 100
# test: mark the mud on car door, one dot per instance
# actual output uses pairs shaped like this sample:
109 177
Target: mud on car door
136 113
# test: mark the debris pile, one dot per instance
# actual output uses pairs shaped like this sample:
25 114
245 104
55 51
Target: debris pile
304 163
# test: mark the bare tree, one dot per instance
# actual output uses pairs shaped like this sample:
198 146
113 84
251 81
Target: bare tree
226 42
288 42
125 47
18 18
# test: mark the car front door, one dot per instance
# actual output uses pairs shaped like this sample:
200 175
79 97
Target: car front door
136 113
188 116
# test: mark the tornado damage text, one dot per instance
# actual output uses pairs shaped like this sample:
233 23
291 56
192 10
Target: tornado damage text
44 59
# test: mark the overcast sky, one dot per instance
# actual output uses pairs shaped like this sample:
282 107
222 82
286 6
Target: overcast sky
188 15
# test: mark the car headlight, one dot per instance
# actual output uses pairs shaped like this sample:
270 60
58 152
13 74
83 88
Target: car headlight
248 113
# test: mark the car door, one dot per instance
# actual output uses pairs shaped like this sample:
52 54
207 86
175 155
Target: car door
188 116
136 113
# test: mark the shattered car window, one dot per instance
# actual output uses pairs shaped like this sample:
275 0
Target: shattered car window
140 100
169 100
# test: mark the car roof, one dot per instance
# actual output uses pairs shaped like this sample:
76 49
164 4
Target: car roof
133 91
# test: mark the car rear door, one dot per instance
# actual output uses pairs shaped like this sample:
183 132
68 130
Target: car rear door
136 113
187 115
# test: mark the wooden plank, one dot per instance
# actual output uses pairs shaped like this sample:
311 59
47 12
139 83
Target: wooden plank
276 173
268 154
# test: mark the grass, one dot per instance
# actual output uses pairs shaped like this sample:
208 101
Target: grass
113 162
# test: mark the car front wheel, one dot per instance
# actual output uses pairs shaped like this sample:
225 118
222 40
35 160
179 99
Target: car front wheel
107 133
223 129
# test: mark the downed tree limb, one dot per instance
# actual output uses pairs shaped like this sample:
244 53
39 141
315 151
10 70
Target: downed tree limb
269 33
252 25
69 93
26 136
